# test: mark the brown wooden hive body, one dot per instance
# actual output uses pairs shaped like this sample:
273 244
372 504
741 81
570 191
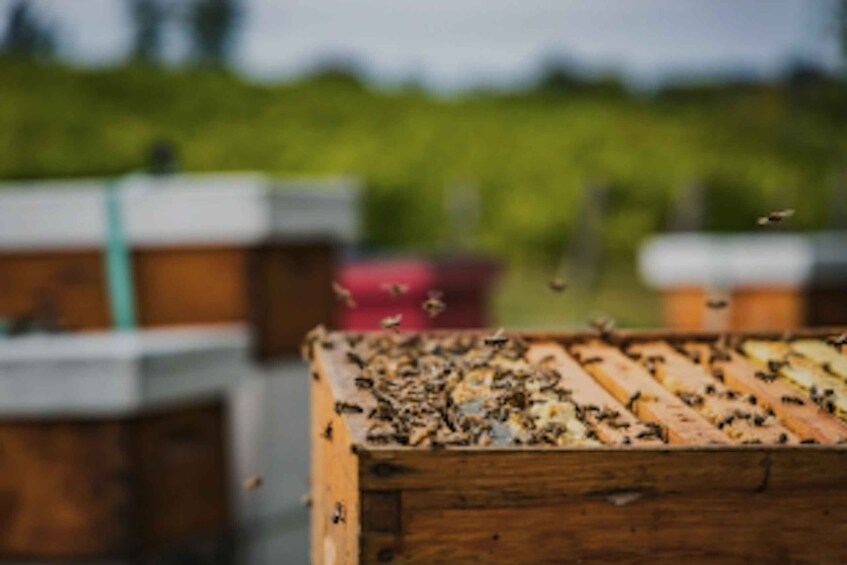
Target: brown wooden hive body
675 502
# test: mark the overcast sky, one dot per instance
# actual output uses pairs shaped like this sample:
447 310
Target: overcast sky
459 43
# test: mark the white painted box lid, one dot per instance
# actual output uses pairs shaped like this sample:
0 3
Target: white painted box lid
738 260
227 208
119 373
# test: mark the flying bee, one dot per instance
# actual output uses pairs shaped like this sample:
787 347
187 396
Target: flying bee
395 289
433 305
558 284
717 303
391 322
837 341
497 340
252 483
603 325
343 295
775 217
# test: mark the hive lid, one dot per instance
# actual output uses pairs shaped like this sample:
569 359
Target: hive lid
229 208
119 373
737 260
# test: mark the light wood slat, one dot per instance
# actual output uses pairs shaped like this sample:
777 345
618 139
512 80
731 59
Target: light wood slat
807 421
585 391
822 353
680 375
623 378
802 371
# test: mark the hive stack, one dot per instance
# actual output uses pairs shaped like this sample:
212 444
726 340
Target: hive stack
456 447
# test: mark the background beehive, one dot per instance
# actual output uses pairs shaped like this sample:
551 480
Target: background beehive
717 490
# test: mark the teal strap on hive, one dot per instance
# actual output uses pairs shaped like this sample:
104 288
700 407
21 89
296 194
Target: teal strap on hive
118 267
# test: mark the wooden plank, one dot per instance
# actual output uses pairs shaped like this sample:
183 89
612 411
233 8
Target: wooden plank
584 470
68 286
690 527
66 490
585 391
182 460
290 293
627 380
822 354
716 402
776 309
190 285
801 371
807 421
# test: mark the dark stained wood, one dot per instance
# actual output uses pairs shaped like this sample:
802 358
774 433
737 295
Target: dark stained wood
290 293
585 391
69 286
65 489
111 488
182 470
190 285
625 379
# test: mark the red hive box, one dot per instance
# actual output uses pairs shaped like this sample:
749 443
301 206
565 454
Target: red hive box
466 284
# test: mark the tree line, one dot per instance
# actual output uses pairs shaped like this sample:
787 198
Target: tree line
210 25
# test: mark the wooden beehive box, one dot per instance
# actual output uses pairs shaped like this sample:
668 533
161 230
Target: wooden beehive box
687 448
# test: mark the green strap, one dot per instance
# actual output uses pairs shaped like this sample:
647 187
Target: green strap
118 265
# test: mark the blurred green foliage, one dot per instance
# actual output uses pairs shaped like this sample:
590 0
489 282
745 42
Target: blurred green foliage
758 146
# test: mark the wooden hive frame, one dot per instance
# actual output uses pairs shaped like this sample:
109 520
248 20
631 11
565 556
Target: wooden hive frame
701 497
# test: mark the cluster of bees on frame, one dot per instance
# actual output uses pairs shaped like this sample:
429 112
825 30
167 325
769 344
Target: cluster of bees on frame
418 382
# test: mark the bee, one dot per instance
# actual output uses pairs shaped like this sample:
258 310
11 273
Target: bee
718 374
391 322
349 407
356 359
717 303
768 376
710 389
364 382
252 483
497 340
395 289
603 325
632 400
837 341
433 305
808 441
558 284
776 366
691 399
592 360
796 400
775 217
343 295
338 513
752 399
783 438
327 433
